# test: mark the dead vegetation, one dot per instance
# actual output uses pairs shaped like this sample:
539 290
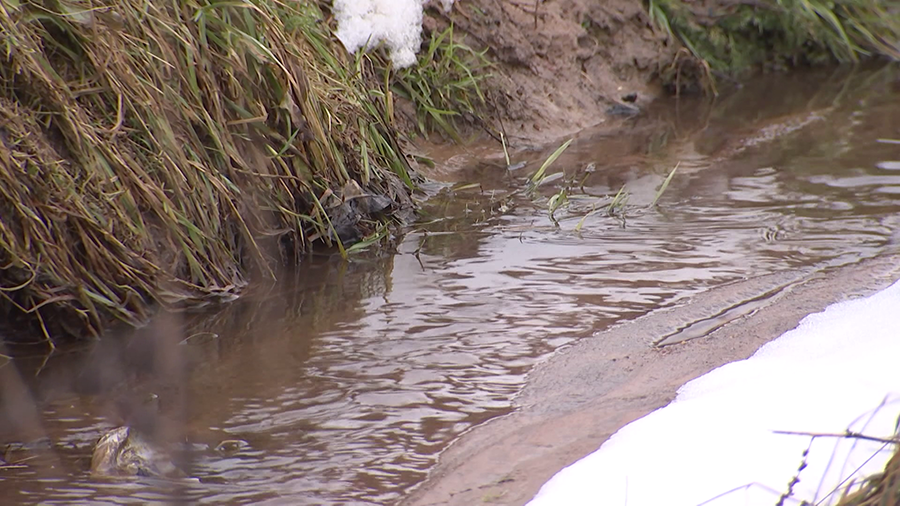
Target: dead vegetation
159 152
878 490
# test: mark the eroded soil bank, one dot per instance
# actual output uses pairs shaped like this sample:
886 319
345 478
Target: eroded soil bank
562 66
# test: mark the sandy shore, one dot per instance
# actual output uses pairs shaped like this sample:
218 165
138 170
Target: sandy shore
579 397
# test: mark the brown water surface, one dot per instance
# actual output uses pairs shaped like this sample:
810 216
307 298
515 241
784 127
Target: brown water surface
342 383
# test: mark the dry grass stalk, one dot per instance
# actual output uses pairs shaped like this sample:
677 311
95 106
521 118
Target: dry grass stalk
145 147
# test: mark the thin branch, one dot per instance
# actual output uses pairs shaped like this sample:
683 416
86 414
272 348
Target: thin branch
846 434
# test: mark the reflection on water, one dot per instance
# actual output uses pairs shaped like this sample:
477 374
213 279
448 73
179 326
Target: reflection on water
342 383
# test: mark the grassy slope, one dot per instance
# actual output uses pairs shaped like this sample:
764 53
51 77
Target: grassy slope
145 147
734 37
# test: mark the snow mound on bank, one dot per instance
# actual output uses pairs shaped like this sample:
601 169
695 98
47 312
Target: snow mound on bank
715 443
396 23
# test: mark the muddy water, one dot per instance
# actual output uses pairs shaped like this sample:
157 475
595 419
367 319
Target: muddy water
343 382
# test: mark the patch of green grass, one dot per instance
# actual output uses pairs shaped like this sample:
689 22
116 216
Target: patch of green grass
738 36
444 85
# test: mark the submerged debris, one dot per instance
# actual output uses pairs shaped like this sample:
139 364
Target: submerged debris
123 451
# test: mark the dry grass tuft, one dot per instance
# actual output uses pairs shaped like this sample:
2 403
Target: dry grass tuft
146 147
879 490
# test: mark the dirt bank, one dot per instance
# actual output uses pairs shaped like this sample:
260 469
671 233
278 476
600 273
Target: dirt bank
562 66
582 395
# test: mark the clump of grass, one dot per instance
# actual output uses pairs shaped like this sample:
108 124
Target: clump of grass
571 191
444 85
149 150
879 490
735 37
618 205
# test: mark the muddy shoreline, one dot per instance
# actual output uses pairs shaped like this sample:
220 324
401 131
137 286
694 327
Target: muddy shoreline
579 397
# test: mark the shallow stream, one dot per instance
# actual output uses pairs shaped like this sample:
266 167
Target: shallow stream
342 383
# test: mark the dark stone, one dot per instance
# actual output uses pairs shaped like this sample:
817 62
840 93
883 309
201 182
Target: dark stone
623 110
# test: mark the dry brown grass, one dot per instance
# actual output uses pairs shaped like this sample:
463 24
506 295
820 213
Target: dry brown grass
879 490
147 147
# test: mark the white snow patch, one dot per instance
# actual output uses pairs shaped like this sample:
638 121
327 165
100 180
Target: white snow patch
715 445
396 23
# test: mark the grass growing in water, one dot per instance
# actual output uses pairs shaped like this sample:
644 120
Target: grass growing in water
614 206
664 185
538 177
150 151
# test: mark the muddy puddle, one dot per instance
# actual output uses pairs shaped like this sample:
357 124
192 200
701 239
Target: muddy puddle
342 383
